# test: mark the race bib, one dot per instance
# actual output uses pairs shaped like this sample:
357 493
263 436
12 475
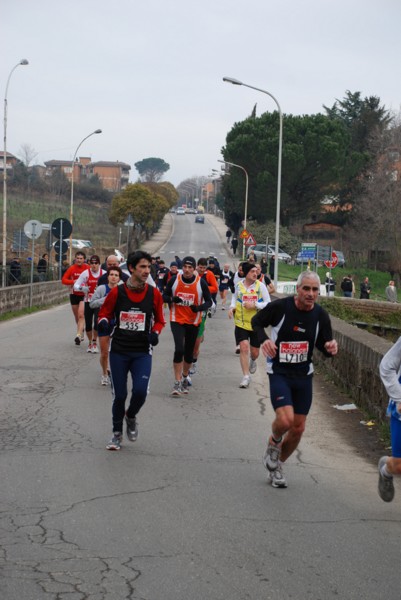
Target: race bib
249 298
132 321
293 352
187 299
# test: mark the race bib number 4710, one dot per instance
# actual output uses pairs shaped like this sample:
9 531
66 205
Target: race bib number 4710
132 321
293 352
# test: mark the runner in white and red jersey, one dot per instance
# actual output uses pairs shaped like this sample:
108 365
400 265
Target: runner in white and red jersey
76 298
87 283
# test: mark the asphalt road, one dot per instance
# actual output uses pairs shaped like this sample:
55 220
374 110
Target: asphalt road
185 513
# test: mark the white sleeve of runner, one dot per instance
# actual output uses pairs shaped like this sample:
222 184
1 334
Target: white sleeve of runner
390 370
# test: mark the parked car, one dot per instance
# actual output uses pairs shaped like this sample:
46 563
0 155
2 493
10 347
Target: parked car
199 219
79 244
260 250
119 255
180 211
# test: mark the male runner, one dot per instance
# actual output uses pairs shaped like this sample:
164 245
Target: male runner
87 283
250 296
390 372
76 298
188 296
137 308
297 326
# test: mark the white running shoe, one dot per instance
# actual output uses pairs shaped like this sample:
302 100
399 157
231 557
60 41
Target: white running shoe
271 456
253 365
277 477
105 380
89 348
246 380
95 349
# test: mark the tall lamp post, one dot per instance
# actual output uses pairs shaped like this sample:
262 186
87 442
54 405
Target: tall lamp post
246 196
22 62
280 152
72 184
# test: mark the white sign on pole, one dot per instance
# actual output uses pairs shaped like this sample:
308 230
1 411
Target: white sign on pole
33 229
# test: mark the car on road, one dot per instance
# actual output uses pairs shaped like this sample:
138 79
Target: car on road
199 219
180 211
260 250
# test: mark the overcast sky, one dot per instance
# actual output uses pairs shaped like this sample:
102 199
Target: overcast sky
149 73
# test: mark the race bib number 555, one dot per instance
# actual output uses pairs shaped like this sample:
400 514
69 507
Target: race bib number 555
132 321
293 352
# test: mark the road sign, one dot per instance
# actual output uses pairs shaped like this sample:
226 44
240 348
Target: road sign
250 240
331 264
61 244
20 241
33 229
244 234
62 257
61 227
308 252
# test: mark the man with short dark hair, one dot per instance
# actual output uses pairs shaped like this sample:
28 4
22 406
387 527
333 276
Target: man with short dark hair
188 297
297 324
250 296
137 308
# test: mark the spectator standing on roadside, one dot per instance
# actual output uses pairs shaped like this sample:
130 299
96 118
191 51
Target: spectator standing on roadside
390 373
234 244
271 267
228 235
330 285
391 292
42 267
15 270
365 289
347 286
264 265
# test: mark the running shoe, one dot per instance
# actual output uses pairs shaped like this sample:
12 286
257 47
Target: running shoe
177 389
115 442
277 477
386 484
82 338
252 366
223 308
95 349
246 380
185 385
237 350
271 456
77 340
89 348
193 369
132 429
105 380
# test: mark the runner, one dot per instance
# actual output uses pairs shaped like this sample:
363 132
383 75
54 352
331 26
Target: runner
111 261
390 372
249 297
225 277
188 296
209 277
137 308
114 276
297 326
76 298
162 271
265 279
87 283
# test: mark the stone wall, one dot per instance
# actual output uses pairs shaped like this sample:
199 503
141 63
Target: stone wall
370 306
17 297
356 367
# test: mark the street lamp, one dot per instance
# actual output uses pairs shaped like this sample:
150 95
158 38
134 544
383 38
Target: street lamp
22 62
72 184
280 151
246 196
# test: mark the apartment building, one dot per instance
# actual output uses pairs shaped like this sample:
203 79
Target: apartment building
114 176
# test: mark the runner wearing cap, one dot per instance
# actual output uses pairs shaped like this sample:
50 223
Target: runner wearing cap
188 296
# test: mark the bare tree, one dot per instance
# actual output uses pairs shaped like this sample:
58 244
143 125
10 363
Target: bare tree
27 154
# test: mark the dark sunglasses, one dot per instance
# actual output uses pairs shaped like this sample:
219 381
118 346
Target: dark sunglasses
94 262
